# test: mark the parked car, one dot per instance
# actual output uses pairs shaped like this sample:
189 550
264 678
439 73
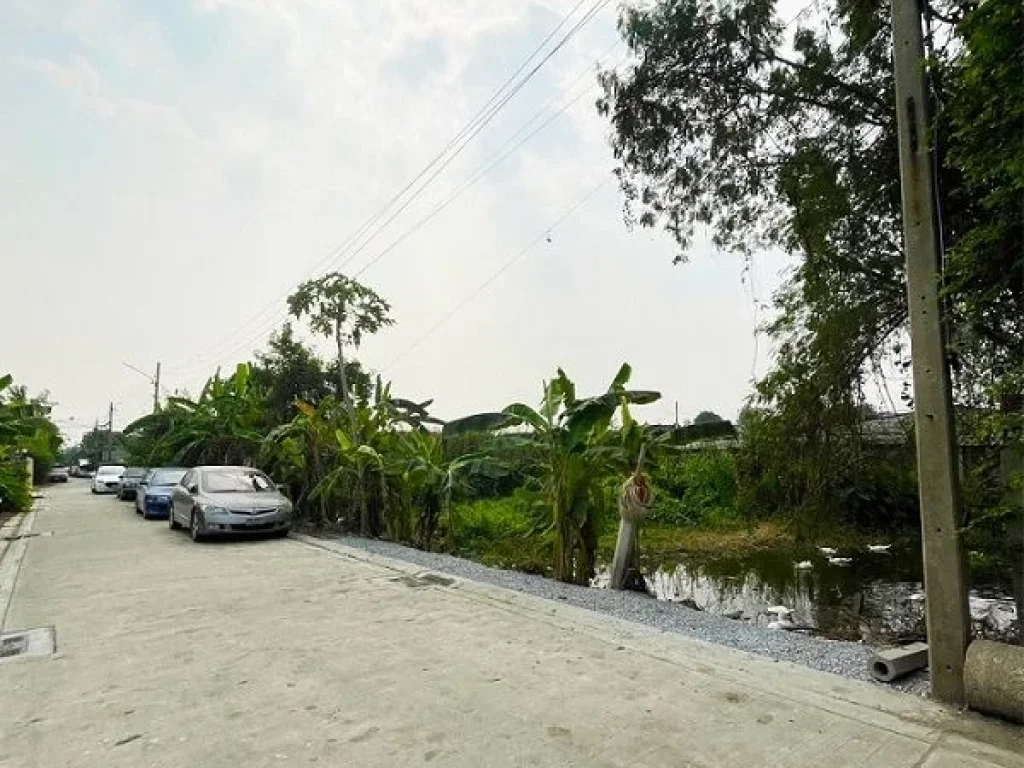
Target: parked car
153 496
58 475
129 482
82 468
107 479
213 501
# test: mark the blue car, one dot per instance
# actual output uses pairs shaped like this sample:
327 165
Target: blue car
153 499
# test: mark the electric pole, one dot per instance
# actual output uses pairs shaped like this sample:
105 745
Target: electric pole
948 619
154 380
110 434
156 389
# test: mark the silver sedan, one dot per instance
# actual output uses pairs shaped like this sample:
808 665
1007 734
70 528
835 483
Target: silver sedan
212 501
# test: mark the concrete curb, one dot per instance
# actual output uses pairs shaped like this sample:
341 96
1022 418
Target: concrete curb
11 557
862 701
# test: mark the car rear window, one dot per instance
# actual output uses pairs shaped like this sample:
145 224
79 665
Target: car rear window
167 478
235 481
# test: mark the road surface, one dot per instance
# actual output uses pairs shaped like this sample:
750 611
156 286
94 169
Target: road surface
284 652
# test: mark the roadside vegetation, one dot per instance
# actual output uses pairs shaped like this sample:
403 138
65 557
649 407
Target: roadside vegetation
726 124
25 431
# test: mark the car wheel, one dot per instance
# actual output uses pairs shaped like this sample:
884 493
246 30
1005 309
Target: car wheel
171 522
283 533
94 490
194 529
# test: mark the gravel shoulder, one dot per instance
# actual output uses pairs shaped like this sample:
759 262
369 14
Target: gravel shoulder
841 658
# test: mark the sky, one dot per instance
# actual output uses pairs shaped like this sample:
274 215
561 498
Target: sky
170 171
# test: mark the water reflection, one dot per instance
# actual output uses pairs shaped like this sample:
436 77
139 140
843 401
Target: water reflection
877 598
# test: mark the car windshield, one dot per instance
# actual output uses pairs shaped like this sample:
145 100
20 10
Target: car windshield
171 477
134 472
235 481
110 470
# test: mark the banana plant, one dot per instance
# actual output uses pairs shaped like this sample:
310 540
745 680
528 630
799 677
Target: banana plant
433 479
300 451
578 449
224 425
362 442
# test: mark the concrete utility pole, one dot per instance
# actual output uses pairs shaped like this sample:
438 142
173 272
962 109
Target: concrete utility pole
937 458
154 380
156 389
110 434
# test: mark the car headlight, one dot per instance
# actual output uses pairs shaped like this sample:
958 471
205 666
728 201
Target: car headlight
214 510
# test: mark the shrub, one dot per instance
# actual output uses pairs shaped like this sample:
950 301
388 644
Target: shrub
696 488
506 532
15 493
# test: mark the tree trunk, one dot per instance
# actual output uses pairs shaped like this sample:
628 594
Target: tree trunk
385 511
364 508
588 551
318 474
1018 596
342 375
625 551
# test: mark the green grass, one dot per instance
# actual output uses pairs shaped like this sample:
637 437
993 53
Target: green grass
500 532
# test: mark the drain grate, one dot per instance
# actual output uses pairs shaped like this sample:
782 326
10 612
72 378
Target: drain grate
13 644
424 580
436 578
17 536
27 643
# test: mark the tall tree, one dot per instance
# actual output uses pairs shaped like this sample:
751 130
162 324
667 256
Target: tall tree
340 307
707 417
289 371
781 134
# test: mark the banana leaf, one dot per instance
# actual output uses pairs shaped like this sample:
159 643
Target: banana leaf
479 422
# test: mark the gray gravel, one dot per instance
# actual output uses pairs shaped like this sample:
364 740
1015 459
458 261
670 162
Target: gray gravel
841 658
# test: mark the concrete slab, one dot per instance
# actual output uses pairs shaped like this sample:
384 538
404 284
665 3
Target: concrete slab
272 652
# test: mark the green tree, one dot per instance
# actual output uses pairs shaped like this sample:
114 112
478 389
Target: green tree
343 309
224 425
25 429
577 450
301 450
783 135
434 478
707 417
289 371
985 269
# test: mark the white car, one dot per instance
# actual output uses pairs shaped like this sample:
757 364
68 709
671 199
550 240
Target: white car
107 479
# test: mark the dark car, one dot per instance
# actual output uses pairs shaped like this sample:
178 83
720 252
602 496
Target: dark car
57 475
130 482
153 495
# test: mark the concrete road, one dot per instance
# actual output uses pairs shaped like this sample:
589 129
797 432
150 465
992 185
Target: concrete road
280 652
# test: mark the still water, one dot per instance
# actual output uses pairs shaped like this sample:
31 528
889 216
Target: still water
876 597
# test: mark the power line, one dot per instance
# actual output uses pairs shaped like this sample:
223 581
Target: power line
503 153
511 145
477 129
496 274
498 158
485 115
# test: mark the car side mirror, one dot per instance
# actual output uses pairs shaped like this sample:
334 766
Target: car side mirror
194 489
